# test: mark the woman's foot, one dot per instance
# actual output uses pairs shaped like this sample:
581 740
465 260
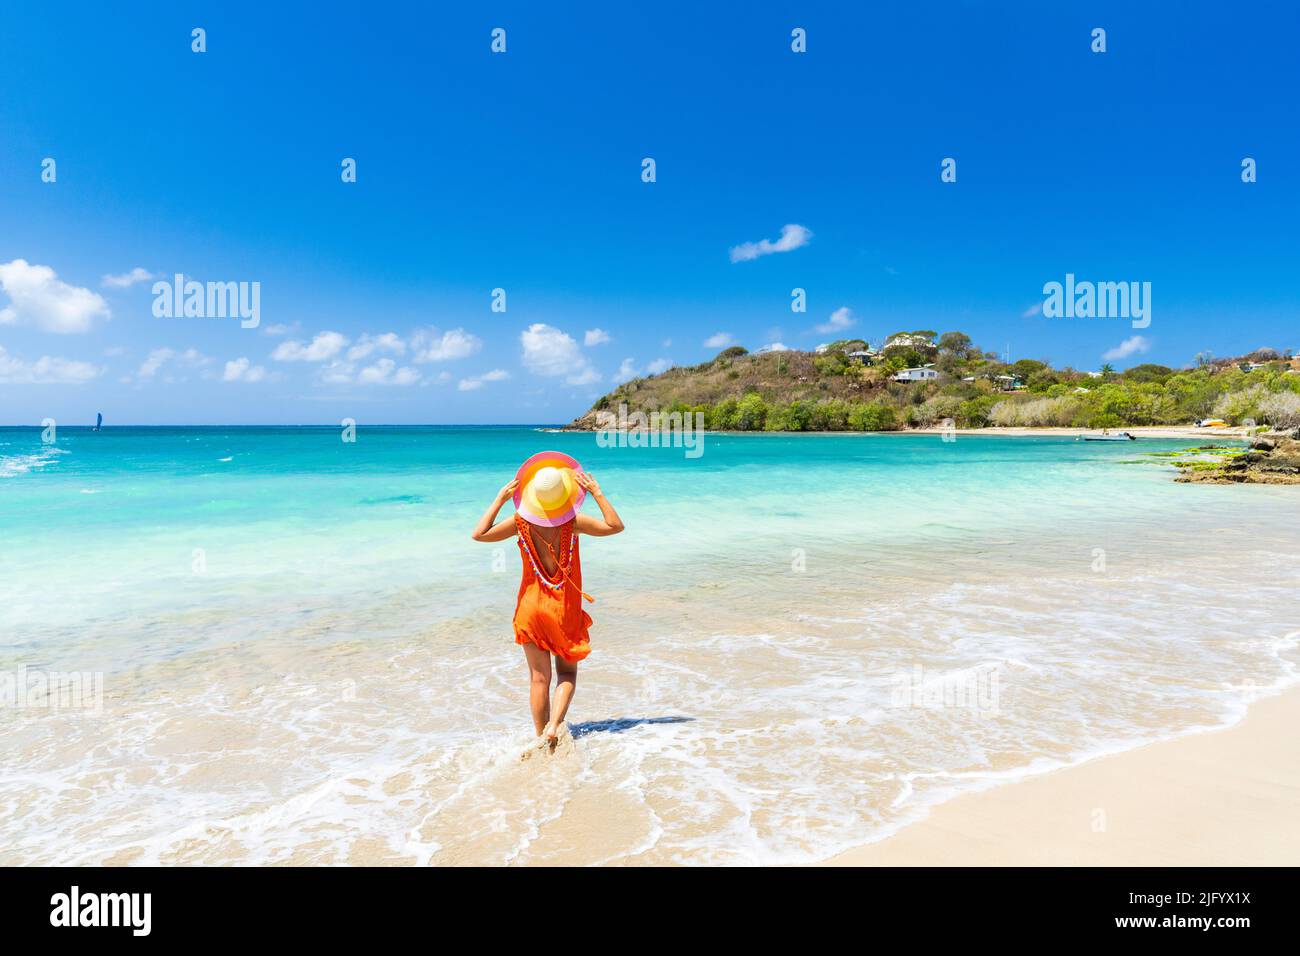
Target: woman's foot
551 735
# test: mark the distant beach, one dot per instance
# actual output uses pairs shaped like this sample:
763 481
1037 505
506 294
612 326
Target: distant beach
1206 435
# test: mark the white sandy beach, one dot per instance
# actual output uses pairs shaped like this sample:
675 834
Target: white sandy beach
1218 798
1177 432
1138 431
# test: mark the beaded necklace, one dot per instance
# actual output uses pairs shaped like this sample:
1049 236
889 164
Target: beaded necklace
562 569
537 570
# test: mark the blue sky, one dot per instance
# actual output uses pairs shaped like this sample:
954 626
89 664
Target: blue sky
522 171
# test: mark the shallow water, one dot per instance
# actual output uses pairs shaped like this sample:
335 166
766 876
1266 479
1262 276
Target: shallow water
800 643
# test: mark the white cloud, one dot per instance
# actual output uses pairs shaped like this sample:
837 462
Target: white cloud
154 362
323 347
1035 309
1135 345
476 381
776 347
158 358
241 370
337 373
718 340
387 372
46 370
553 354
627 369
839 320
115 351
429 346
38 297
388 342
596 337
280 328
792 237
128 279
667 343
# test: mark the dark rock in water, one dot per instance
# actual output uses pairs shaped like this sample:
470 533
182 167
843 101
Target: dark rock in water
1274 460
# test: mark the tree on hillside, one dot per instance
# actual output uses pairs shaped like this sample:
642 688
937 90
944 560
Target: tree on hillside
900 356
1023 368
1148 372
751 413
734 351
846 345
956 344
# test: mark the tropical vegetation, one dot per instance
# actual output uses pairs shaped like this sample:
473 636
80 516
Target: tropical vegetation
846 386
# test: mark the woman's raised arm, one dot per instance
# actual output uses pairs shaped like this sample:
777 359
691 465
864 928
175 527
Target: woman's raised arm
486 530
609 522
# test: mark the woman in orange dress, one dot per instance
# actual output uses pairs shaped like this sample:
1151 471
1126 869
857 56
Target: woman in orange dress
549 617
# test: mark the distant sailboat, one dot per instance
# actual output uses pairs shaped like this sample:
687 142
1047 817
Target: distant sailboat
99 421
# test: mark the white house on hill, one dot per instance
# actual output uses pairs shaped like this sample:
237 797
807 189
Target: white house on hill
915 375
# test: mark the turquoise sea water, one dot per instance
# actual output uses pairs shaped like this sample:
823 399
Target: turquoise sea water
306 658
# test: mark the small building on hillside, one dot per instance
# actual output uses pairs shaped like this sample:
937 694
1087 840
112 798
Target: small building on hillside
924 374
910 340
866 356
1009 383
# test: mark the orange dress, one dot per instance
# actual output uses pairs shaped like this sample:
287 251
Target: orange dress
549 613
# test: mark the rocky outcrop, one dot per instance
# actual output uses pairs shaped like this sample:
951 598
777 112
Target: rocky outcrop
1272 459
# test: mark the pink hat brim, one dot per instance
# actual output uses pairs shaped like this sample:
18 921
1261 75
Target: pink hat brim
545 459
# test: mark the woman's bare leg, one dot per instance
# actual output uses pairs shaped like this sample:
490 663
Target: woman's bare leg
539 685
566 679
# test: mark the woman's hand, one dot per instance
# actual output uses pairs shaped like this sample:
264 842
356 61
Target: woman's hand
608 522
486 530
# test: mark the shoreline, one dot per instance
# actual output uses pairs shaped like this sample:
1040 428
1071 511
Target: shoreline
1180 432
1215 797
1139 431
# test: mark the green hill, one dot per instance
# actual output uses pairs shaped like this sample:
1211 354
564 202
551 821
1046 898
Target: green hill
833 391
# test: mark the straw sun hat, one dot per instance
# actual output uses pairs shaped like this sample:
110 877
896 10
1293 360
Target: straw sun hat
548 493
